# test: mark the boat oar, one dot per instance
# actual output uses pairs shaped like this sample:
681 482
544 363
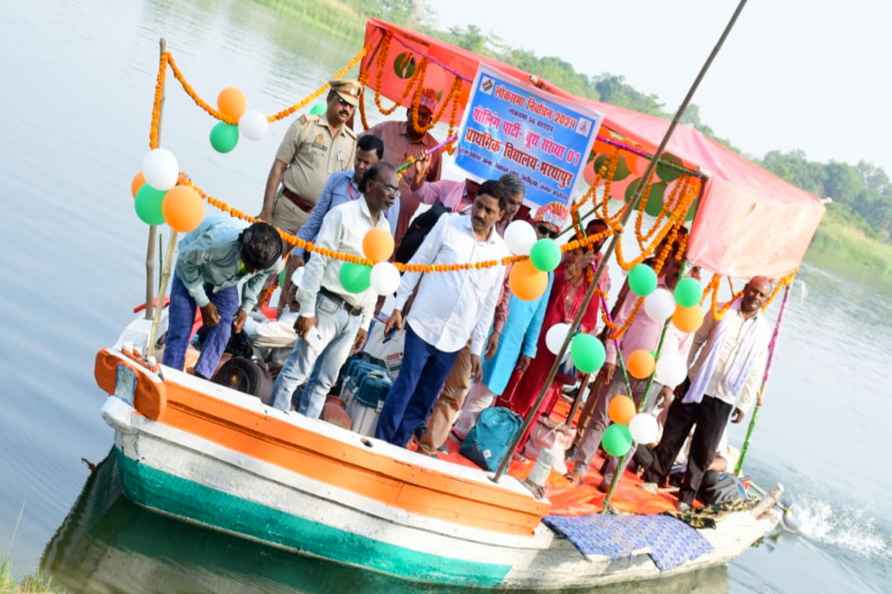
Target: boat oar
789 520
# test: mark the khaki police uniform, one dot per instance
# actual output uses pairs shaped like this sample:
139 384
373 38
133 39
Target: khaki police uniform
313 151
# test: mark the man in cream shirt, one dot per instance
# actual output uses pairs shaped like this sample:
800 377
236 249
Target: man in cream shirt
332 319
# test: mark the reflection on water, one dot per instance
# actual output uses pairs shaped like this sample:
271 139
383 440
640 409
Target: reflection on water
108 545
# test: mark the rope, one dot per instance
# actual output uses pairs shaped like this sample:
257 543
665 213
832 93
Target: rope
167 59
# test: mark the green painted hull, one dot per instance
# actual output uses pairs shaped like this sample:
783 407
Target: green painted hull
174 495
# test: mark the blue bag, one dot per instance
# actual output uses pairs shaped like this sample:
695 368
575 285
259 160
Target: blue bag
372 389
488 441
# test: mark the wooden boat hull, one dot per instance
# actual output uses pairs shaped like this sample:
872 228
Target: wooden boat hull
443 524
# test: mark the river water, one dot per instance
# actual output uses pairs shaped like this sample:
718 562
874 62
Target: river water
76 98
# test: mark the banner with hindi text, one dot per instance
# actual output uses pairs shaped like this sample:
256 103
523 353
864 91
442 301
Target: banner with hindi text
511 126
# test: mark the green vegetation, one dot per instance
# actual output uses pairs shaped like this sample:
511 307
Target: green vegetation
30 584
855 237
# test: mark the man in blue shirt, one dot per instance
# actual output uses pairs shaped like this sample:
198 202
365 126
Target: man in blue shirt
212 261
341 187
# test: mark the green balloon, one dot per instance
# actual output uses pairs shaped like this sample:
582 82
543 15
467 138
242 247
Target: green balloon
148 205
622 168
224 137
665 170
688 292
642 280
355 278
318 109
617 440
545 255
587 352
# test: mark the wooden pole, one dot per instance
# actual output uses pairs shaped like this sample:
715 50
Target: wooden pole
153 229
165 278
574 327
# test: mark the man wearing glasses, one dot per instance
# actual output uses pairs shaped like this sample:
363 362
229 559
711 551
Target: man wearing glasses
313 148
331 318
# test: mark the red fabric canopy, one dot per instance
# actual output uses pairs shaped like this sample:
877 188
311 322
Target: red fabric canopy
749 221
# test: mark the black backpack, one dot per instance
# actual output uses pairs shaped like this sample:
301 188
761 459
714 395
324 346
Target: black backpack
417 231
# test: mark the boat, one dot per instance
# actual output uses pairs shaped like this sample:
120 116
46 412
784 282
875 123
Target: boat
211 456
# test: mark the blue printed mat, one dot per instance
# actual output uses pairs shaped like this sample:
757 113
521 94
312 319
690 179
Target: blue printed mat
669 542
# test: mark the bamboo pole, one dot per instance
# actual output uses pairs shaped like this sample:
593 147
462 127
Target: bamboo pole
153 229
760 399
574 327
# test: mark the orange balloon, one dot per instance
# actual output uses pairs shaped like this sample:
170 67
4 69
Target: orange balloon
688 319
377 245
621 409
231 101
137 183
526 281
183 208
640 364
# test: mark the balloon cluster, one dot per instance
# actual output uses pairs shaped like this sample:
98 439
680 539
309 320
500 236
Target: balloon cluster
162 195
628 427
682 305
383 277
586 351
231 102
529 278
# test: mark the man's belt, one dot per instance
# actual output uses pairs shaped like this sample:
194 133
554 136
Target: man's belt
350 309
297 200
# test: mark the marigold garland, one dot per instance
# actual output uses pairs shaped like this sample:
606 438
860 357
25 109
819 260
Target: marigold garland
158 99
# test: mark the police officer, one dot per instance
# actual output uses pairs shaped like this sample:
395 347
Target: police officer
313 148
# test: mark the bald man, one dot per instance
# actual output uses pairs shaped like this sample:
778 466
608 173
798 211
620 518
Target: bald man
726 364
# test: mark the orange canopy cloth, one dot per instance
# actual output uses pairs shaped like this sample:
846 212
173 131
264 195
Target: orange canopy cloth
749 222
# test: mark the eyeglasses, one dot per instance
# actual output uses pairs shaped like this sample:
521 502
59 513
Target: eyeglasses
388 189
547 231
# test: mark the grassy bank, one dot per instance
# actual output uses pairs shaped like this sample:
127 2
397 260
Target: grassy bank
27 585
843 248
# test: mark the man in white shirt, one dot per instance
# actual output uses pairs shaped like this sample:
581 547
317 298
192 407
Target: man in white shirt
332 319
727 362
449 309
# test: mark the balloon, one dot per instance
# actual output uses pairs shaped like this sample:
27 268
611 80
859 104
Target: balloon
224 137
640 364
385 278
520 237
617 440
231 101
688 292
160 169
642 280
525 282
183 208
148 205
672 369
318 109
659 305
555 337
545 255
688 319
138 181
253 125
377 245
644 428
621 409
355 278
588 353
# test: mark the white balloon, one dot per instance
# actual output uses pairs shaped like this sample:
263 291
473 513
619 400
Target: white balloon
253 125
556 336
672 369
643 428
160 169
659 305
385 278
520 237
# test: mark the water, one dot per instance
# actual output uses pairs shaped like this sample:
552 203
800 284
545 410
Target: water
76 98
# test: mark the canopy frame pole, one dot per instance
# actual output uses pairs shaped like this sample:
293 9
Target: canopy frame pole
761 397
574 327
153 229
